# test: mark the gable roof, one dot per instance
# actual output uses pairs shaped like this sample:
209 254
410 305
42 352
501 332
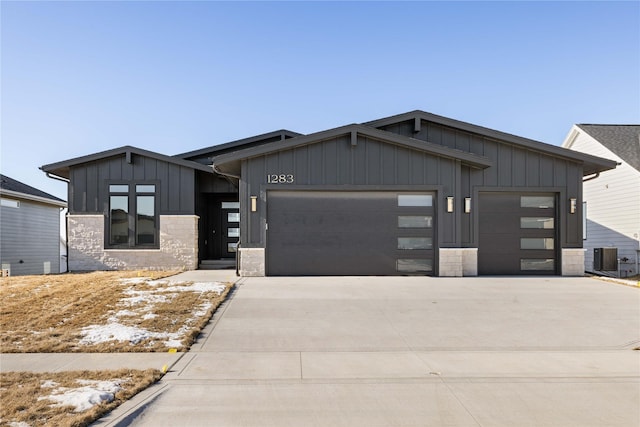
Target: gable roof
591 164
15 188
61 169
622 140
231 161
219 149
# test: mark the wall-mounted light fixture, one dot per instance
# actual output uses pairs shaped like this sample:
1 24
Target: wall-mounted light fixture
449 204
254 203
573 203
467 205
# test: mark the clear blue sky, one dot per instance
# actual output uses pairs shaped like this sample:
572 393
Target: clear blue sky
83 77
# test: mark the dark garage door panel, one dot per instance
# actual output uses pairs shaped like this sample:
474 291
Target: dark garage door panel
334 233
500 233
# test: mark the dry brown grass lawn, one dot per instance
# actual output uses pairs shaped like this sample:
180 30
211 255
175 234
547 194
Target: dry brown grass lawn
26 396
43 314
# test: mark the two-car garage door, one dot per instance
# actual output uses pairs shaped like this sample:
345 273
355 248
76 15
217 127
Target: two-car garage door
350 233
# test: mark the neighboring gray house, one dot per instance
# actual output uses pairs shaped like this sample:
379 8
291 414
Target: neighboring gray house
29 229
414 193
612 200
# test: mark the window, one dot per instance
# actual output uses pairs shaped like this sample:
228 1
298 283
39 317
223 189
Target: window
536 243
9 203
415 200
529 264
415 243
541 202
414 265
415 221
536 222
133 219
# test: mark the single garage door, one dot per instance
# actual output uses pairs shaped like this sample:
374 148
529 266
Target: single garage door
518 234
336 233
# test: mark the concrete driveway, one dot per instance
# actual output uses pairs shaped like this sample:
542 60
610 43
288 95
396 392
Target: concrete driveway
408 351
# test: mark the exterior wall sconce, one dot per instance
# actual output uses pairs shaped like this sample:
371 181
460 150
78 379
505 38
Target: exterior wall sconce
449 204
467 205
254 203
573 203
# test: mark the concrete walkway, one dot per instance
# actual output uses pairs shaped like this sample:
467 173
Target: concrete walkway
407 351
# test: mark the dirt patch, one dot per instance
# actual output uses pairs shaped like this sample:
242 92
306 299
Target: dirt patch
67 398
104 312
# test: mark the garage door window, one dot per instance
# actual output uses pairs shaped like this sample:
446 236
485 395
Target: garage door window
536 243
415 243
529 264
415 200
536 222
414 265
542 202
415 221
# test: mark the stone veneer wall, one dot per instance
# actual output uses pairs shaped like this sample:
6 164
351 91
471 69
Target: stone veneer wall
573 262
458 262
178 246
252 262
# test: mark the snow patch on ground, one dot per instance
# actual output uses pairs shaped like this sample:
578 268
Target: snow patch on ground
141 303
89 393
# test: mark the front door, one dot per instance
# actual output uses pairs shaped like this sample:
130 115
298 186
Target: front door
224 227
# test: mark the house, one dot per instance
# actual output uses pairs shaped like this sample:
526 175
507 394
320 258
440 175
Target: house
414 193
29 229
611 200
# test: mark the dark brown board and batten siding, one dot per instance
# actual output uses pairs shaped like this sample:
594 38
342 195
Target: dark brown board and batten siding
335 163
515 168
89 187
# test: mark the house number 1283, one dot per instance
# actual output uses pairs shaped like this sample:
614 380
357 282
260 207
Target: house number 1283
280 179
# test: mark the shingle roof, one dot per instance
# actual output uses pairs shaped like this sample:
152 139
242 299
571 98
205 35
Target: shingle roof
622 140
10 184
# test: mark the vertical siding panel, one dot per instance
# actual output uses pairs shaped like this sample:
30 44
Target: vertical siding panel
330 154
343 161
103 190
463 141
573 221
174 188
315 163
491 174
360 161
533 171
373 162
432 169
150 168
449 138
127 168
560 173
476 145
301 162
92 188
416 162
447 179
115 169
403 165
435 134
163 176
546 171
388 164
187 193
504 165
466 234
138 167
519 167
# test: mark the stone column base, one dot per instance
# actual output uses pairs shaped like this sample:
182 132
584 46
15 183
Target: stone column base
573 262
458 262
252 262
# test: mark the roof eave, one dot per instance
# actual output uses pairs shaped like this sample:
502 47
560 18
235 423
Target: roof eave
33 198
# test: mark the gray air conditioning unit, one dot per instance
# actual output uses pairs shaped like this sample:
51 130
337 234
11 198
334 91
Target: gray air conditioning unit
605 259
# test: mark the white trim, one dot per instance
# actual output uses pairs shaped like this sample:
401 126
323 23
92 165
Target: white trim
24 196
